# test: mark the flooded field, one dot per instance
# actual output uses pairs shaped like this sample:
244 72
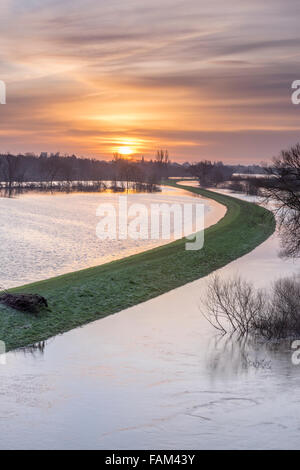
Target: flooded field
47 235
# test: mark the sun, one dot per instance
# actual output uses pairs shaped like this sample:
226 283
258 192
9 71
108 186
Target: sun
125 150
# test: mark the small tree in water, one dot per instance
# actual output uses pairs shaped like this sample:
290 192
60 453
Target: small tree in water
234 305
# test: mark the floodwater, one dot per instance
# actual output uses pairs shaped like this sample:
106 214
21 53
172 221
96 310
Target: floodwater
47 235
156 376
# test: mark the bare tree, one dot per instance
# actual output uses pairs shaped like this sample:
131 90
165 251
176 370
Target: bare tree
233 305
12 169
51 168
162 156
162 162
283 187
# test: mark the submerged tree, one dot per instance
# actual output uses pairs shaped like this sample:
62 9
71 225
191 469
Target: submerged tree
235 306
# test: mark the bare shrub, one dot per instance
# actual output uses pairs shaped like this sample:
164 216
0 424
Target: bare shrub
234 305
237 186
282 317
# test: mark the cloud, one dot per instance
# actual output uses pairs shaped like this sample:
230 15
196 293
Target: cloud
199 77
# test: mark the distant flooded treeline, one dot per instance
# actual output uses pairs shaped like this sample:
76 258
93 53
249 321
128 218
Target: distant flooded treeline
76 186
69 173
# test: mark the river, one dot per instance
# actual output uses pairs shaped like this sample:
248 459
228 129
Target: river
156 376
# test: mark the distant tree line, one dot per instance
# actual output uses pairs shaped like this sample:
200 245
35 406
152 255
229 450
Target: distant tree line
17 169
211 173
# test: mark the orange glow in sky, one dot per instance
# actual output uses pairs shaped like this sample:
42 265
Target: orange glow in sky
208 82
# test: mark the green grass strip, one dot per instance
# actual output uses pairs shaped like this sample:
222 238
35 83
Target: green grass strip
90 294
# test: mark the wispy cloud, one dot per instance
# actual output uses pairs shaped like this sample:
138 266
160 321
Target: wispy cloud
206 79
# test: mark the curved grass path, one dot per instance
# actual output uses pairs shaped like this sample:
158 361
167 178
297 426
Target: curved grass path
83 296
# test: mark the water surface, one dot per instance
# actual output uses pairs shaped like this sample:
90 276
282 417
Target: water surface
46 235
156 376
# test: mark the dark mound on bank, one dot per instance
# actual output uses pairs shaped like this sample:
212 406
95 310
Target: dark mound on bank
29 303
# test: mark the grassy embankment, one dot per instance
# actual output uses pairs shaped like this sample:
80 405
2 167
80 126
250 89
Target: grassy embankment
83 296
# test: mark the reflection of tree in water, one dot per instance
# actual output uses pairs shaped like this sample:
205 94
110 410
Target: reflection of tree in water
65 187
229 355
7 192
36 349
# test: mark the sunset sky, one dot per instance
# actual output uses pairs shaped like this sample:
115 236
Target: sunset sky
203 79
